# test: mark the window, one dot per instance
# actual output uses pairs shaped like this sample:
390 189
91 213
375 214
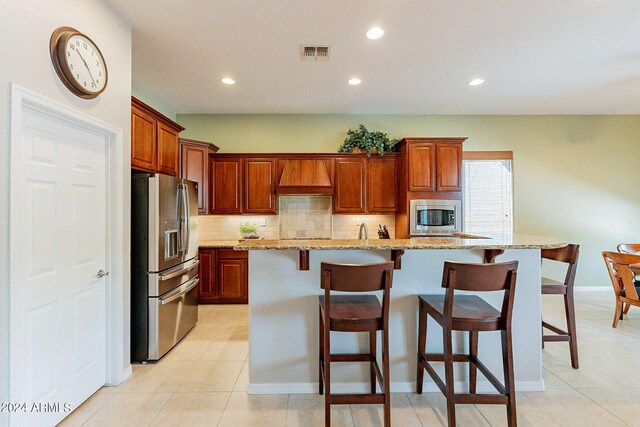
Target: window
488 192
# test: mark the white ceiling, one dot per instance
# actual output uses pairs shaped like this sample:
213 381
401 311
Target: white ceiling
537 56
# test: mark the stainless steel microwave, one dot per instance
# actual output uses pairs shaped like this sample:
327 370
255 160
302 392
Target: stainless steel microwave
435 217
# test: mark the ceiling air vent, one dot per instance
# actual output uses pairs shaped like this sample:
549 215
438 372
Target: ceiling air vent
314 53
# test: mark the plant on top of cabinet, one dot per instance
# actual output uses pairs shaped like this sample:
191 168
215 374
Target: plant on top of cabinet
361 139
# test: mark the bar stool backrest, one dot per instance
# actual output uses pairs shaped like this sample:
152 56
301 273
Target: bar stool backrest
567 254
620 272
480 278
629 248
356 277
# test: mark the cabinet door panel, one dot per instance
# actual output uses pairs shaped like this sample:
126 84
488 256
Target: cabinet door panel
193 166
167 150
143 141
381 185
422 165
207 291
233 279
350 182
449 160
259 191
226 187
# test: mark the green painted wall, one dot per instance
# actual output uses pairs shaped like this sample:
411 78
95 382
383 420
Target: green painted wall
576 177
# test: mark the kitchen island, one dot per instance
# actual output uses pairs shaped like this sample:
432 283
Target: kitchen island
283 310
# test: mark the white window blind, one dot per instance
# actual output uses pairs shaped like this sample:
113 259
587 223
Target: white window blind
488 196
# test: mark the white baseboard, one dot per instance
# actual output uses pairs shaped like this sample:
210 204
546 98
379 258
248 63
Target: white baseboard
592 289
397 387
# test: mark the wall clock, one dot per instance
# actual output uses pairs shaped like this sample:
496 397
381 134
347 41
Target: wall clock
78 62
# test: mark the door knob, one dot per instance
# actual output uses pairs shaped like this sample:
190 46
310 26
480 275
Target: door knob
102 273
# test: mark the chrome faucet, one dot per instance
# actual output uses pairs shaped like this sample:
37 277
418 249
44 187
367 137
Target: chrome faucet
363 226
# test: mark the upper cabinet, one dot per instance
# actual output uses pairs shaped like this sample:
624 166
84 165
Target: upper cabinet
154 140
194 166
433 164
421 157
350 185
225 186
381 184
448 166
259 186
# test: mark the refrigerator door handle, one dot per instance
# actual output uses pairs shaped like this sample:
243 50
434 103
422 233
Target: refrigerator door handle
181 291
181 218
187 218
176 273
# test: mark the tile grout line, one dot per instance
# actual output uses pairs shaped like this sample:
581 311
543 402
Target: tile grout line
165 404
224 409
414 409
600 406
286 413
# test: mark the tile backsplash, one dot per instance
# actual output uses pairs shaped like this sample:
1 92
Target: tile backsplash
300 217
305 217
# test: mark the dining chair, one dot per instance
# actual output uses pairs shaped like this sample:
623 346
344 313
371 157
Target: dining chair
622 278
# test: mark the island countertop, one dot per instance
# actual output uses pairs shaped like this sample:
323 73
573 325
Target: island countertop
510 241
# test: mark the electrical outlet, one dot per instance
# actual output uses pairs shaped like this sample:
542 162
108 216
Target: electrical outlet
263 222
358 221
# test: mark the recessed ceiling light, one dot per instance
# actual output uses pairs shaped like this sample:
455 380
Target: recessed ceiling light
354 81
476 82
228 81
375 33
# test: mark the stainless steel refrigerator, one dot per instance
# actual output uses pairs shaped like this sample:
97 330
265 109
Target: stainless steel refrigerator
164 263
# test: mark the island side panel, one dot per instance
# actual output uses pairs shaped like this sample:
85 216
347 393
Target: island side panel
283 335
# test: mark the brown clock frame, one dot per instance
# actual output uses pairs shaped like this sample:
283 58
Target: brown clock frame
57 43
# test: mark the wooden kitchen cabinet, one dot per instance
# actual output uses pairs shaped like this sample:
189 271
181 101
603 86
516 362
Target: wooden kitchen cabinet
194 166
143 141
224 276
259 186
381 184
225 190
208 274
350 185
448 166
421 159
154 140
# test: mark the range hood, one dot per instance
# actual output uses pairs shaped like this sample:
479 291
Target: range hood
302 176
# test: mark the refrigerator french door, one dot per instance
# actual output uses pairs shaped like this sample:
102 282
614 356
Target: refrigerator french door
164 263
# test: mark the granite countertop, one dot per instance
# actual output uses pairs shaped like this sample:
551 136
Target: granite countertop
213 244
511 241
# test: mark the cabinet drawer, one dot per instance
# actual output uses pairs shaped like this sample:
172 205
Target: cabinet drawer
231 254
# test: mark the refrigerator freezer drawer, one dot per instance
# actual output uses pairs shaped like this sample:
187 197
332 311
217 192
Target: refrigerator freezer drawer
171 316
163 282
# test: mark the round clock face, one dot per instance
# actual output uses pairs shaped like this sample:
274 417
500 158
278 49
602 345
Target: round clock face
85 63
78 62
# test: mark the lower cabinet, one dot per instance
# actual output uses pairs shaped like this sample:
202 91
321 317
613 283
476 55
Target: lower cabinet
224 276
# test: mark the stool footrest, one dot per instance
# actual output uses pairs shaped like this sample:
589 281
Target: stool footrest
548 338
357 399
438 357
481 399
352 357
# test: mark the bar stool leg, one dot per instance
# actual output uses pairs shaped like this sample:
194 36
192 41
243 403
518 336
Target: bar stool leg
569 307
507 365
385 377
422 340
448 373
321 354
327 376
473 369
373 352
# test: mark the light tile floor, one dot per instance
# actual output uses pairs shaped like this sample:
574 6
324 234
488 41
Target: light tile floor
203 381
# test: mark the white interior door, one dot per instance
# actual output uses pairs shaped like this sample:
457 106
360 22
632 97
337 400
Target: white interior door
58 301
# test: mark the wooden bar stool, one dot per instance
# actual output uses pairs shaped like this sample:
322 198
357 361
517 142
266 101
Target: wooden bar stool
569 255
470 313
355 313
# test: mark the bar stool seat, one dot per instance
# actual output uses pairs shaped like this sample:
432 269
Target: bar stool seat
553 287
469 311
354 313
